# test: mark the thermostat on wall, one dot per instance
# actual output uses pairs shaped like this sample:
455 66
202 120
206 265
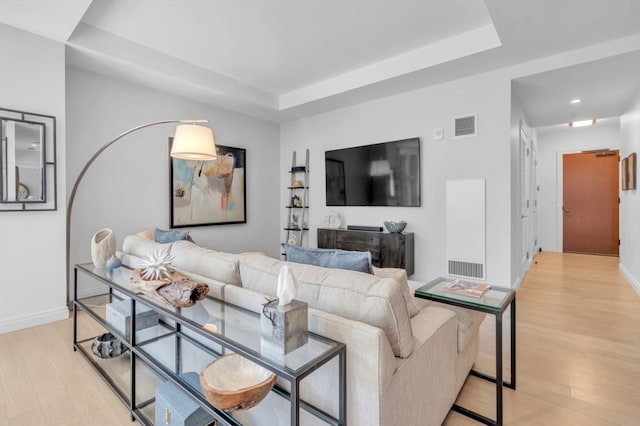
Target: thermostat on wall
438 134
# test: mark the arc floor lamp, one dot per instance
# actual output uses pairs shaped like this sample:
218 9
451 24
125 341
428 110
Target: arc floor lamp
190 142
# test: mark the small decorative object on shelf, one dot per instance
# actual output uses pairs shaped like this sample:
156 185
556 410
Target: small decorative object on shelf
108 346
293 239
395 227
210 327
103 246
298 184
114 262
156 266
332 220
232 383
119 316
467 288
283 324
174 407
156 279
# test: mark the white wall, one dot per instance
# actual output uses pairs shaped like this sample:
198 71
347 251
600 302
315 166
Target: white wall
32 244
407 115
553 142
127 189
630 200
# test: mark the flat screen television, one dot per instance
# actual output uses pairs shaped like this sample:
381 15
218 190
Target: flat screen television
382 174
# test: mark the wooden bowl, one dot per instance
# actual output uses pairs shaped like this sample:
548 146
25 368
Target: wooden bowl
232 382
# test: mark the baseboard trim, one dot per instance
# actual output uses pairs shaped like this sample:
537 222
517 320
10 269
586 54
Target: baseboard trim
630 279
32 320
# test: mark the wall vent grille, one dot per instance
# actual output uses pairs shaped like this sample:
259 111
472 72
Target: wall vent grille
466 228
466 269
464 126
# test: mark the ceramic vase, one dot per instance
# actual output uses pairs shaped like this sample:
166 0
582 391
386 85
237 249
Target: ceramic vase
103 246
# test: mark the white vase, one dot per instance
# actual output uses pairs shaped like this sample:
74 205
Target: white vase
103 246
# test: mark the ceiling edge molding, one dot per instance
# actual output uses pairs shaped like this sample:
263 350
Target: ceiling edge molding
96 50
575 57
466 44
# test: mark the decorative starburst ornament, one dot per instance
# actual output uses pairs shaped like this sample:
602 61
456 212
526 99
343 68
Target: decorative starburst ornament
156 266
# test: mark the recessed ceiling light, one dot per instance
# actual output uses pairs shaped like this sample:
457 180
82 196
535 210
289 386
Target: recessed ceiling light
582 123
576 101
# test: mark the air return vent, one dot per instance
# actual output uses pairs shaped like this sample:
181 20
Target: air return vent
464 126
466 269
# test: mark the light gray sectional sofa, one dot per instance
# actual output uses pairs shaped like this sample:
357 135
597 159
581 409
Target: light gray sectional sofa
406 358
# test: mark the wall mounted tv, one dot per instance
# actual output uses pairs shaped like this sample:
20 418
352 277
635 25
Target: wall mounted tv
382 174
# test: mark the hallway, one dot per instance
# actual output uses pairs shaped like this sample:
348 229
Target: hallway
578 348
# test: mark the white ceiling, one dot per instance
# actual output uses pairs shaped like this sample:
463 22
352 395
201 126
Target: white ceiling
281 59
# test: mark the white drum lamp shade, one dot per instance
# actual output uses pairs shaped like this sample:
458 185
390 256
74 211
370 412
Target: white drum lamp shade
193 142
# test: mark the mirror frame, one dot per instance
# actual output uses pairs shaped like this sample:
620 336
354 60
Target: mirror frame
50 197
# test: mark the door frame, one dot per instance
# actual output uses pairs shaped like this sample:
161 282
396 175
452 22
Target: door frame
560 191
528 195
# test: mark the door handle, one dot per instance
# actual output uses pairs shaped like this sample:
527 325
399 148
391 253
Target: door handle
566 210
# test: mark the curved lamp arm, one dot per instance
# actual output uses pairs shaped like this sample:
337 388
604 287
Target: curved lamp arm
84 170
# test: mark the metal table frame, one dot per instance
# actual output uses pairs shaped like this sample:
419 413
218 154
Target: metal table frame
293 377
468 302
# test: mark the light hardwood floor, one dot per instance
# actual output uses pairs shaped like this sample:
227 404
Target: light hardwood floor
578 350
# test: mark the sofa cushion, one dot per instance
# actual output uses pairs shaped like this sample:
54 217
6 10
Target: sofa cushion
171 236
400 276
329 258
141 246
207 262
362 297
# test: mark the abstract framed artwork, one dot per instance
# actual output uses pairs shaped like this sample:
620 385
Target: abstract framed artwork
212 192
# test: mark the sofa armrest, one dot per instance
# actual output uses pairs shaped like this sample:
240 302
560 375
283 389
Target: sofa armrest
428 375
370 368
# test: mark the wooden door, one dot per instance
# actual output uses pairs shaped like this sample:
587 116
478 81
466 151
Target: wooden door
590 203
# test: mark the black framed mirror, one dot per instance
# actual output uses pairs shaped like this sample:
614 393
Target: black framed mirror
27 161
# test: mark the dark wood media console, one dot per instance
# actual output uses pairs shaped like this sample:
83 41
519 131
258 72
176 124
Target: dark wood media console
387 250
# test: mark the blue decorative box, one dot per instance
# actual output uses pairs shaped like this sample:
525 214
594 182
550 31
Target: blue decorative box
119 316
175 407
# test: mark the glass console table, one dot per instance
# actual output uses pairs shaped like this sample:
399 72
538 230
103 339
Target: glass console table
180 343
495 301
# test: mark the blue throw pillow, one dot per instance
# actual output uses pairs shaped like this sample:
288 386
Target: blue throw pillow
330 258
171 236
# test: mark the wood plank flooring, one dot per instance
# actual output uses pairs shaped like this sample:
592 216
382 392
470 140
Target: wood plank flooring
578 351
578 348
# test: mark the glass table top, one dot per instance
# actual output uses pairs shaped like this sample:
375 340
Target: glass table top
495 300
233 323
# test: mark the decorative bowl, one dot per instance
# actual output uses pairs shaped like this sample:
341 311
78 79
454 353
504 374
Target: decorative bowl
395 227
108 346
232 383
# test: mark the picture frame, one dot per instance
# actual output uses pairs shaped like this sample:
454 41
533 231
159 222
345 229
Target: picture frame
628 172
204 193
631 171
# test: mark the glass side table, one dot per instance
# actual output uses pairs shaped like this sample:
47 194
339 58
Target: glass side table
495 301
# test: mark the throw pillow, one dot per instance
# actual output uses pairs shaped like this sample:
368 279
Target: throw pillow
171 236
330 258
400 276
